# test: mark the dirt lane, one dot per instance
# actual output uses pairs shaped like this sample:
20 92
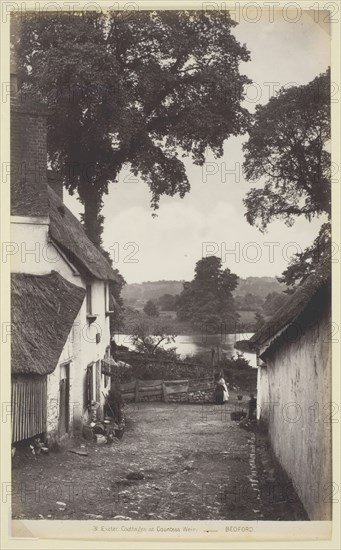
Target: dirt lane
195 463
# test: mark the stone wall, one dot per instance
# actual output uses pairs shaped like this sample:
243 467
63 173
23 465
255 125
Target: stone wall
148 398
181 397
201 396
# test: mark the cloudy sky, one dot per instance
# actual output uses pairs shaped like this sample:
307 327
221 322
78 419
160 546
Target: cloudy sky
167 247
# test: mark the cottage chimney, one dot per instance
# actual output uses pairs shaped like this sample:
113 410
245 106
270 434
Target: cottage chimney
55 181
28 153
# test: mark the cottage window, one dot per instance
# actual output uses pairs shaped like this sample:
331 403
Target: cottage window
108 311
105 380
88 300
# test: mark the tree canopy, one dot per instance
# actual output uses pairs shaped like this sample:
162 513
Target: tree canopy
288 146
207 300
316 257
167 302
259 321
143 91
273 302
151 309
150 336
248 301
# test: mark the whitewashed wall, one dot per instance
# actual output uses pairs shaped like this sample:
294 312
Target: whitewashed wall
299 420
31 252
88 349
71 354
263 399
81 350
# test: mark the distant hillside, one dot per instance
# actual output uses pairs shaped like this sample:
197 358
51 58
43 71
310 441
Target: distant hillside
259 286
151 290
137 294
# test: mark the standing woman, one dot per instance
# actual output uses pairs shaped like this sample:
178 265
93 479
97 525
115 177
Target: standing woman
221 392
222 382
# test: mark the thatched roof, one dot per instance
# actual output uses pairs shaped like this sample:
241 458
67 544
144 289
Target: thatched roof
67 232
296 310
44 308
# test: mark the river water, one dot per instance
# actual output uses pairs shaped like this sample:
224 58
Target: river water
197 343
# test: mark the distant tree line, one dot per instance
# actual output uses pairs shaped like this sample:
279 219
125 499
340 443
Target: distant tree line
248 302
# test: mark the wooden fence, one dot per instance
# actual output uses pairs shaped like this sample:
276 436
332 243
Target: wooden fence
29 407
168 390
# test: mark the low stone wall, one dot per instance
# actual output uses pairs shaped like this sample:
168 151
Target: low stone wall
178 397
201 396
155 397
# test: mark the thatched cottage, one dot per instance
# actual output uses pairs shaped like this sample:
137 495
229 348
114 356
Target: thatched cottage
294 390
60 294
39 304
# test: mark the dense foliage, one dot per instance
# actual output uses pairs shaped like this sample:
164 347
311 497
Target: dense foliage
169 366
314 258
135 293
273 302
248 302
150 337
151 309
259 321
207 301
288 146
142 89
168 302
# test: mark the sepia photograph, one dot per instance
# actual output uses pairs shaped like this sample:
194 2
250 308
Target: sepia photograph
171 255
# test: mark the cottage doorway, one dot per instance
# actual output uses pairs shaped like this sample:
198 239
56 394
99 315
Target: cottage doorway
64 399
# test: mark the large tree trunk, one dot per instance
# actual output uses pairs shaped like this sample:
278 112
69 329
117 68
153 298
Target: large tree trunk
92 218
92 221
